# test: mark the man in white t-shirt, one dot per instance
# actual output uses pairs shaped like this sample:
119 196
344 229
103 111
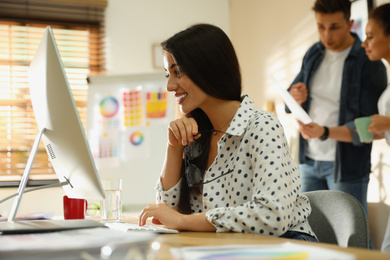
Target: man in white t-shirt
337 83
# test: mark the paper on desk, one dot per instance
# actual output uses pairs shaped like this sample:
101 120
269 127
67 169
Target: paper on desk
283 251
298 112
70 240
32 216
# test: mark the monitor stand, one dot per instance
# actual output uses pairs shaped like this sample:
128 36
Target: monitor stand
38 226
24 180
25 176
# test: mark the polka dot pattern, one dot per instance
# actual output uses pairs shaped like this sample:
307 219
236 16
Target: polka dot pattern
260 195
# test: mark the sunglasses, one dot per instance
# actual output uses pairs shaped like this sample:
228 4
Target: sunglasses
193 173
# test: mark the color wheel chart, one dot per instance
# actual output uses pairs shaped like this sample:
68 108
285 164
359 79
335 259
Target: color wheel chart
136 138
104 144
108 110
133 109
108 107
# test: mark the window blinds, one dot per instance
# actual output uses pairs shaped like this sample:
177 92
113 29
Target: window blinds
80 45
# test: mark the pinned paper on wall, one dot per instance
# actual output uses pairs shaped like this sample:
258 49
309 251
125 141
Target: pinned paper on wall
108 146
136 143
105 112
108 107
105 148
133 107
156 104
121 111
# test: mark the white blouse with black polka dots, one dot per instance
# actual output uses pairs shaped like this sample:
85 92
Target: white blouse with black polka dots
261 194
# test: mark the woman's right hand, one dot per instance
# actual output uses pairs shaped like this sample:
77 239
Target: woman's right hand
182 131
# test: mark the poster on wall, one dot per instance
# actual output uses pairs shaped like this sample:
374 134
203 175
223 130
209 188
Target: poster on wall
105 147
122 111
104 139
132 107
136 143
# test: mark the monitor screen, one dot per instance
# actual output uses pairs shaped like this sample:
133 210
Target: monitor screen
55 110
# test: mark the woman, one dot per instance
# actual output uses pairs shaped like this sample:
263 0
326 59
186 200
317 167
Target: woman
227 166
377 45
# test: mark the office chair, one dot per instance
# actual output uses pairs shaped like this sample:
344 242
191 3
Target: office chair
338 218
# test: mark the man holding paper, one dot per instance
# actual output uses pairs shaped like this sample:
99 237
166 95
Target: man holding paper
337 83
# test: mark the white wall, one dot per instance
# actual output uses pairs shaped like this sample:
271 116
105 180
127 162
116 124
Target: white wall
270 36
380 2
133 26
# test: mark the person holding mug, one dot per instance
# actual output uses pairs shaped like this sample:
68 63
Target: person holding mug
377 46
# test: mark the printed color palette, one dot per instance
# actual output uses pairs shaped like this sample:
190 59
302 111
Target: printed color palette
156 104
107 147
132 103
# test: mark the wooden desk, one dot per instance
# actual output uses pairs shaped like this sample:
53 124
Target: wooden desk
184 239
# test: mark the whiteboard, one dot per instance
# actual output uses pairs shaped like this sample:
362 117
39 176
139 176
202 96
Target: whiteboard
127 120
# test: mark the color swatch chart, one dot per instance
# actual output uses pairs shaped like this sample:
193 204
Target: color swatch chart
107 147
133 109
284 251
156 104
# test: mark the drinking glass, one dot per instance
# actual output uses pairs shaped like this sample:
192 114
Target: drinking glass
111 205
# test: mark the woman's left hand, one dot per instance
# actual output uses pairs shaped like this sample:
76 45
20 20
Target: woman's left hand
379 124
161 214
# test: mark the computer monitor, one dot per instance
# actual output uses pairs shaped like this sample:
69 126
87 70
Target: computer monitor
60 126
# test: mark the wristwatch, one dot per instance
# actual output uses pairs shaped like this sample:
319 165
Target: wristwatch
325 135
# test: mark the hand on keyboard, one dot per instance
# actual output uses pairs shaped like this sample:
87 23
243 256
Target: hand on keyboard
124 226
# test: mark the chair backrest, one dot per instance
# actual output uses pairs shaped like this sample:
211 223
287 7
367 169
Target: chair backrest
338 218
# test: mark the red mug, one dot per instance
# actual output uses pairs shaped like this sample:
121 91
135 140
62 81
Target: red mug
74 208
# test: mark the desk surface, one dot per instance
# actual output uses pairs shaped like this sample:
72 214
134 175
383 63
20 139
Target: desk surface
184 239
44 250
222 239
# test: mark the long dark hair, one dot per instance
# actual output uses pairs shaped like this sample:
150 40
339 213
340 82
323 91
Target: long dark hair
204 124
381 14
207 56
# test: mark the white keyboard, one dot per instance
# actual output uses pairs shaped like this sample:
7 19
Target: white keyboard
124 226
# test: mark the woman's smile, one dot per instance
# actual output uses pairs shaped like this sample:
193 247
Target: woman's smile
180 97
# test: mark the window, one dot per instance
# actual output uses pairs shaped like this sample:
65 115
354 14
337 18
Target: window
80 46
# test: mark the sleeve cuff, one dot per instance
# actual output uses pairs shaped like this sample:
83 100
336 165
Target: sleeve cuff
214 216
169 197
355 137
